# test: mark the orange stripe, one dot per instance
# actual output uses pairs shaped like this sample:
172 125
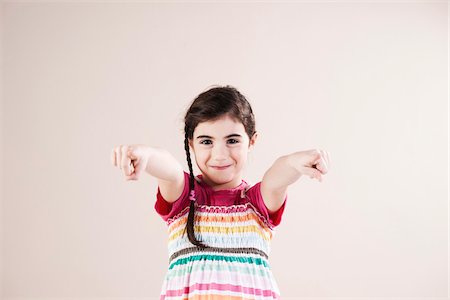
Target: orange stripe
248 228
222 219
266 235
216 297
224 216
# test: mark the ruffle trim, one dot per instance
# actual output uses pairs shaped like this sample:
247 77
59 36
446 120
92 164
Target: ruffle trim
198 250
235 242
223 209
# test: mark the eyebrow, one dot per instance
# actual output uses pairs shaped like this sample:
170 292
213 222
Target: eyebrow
228 136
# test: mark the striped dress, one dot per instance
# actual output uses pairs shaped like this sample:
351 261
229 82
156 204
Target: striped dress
237 228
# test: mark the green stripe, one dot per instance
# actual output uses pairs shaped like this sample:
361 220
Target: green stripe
250 260
220 268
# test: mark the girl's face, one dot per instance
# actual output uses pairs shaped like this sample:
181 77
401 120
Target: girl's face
221 143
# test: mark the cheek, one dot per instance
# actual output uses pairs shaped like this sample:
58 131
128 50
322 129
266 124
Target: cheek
201 156
239 154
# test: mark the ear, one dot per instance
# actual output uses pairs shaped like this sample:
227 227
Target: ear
252 141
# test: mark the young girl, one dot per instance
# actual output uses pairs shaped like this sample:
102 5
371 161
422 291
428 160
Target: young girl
229 223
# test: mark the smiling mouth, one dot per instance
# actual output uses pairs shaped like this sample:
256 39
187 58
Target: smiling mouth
221 168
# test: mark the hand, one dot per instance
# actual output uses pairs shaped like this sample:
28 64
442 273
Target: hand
313 163
131 159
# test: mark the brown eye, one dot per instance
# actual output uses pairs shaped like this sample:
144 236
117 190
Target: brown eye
234 140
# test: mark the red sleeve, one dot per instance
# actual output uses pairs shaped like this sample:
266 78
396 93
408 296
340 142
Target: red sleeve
254 194
166 209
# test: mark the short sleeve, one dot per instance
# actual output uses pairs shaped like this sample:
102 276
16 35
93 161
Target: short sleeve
168 210
254 194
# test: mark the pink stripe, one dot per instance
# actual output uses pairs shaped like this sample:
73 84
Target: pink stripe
230 277
220 287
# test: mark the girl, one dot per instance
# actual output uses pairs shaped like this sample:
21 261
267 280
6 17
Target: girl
229 223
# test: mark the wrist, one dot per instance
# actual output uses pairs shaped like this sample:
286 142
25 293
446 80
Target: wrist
292 161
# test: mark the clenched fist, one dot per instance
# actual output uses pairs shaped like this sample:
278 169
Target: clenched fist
313 163
131 159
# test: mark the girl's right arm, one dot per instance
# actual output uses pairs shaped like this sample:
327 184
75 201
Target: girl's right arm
134 159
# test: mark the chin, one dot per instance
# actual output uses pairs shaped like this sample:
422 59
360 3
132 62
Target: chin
223 175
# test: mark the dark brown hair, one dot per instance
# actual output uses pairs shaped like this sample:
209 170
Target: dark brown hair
210 106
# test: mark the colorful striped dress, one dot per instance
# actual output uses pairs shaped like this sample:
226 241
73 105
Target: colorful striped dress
237 228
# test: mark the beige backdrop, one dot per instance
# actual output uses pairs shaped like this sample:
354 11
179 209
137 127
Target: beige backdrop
366 81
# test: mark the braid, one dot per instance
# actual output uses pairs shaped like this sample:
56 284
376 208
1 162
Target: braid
215 103
190 222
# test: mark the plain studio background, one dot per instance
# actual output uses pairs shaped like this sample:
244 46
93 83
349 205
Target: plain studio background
367 82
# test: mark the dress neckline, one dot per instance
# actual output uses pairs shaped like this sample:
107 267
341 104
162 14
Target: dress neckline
240 187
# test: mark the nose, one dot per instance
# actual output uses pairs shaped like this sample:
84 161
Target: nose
219 152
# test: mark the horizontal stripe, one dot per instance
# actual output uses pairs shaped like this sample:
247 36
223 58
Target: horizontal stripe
226 210
202 295
218 222
225 231
185 270
235 263
225 216
211 287
244 239
207 295
220 250
226 276
249 260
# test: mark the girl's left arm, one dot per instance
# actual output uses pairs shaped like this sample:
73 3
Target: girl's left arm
287 169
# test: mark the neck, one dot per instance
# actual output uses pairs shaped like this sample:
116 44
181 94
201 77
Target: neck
222 186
